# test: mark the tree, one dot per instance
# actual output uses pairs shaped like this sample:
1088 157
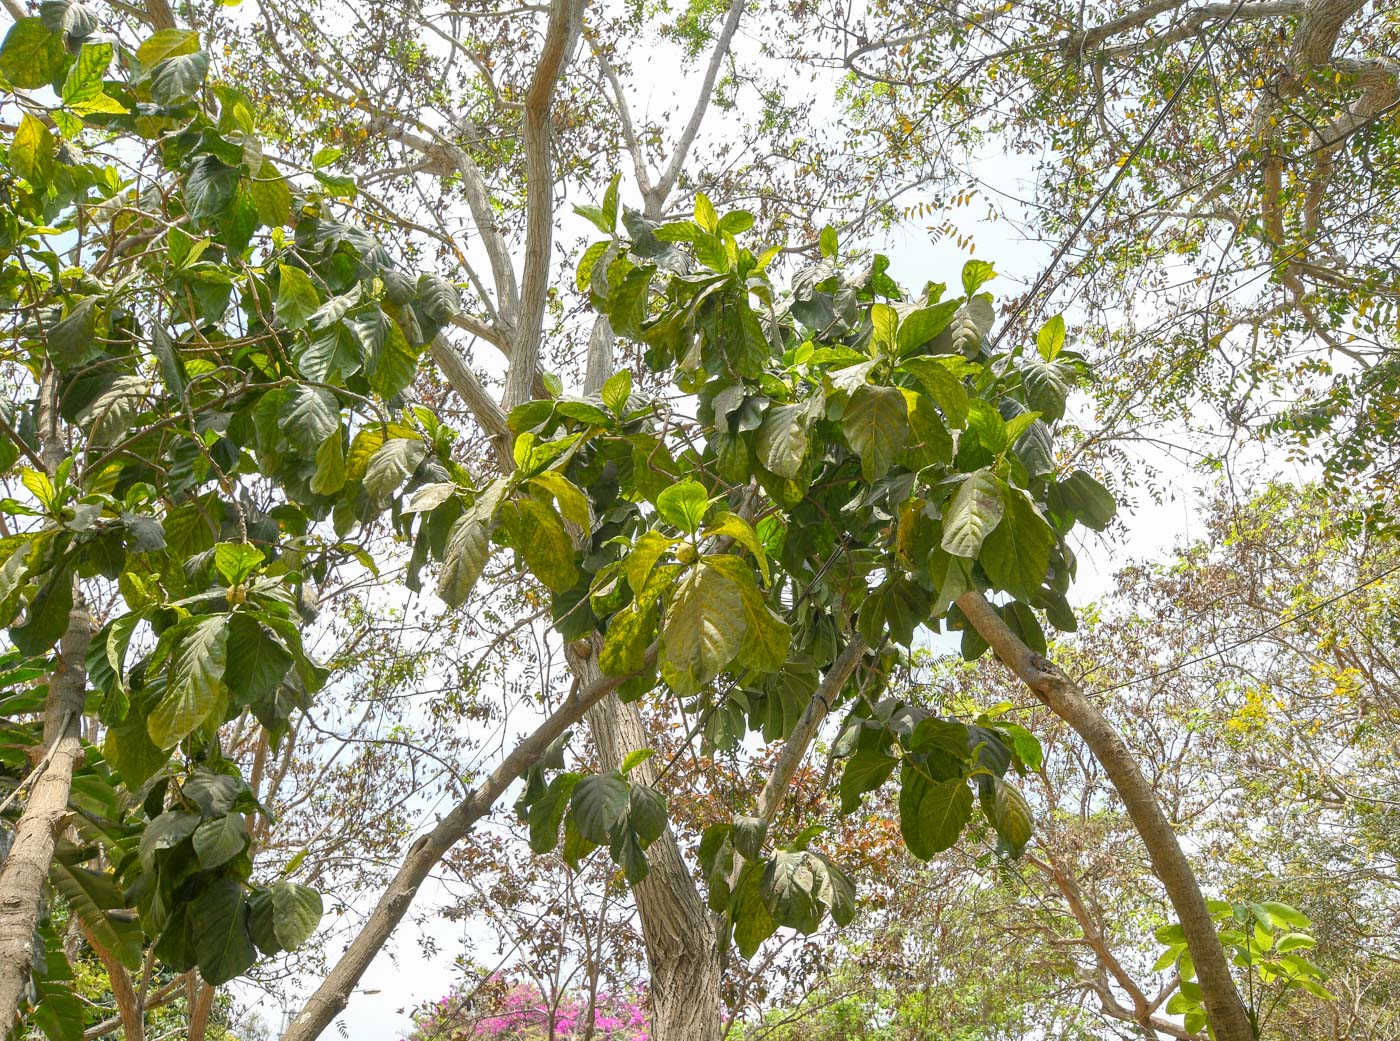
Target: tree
861 469
1212 174
180 419
1236 699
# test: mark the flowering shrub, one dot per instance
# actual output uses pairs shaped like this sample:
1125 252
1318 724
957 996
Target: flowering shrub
508 1010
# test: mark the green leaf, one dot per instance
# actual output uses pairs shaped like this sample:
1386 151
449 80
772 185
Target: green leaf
1051 338
91 894
625 643
583 275
176 79
167 43
1016 553
790 890
946 737
235 561
705 214
330 475
70 339
732 526
1011 816
297 298
31 151
130 751
635 758
920 327
539 536
703 630
308 416
388 360
932 814
876 425
884 320
736 222
223 946
210 187
71 18
943 386
213 793
767 637
598 804
1047 386
974 274
1286 914
391 465
165 832
257 661
975 511
330 353
272 198
220 840
297 911
546 812
827 242
649 547
646 813
31 56
572 503
865 771
753 923
194 681
1026 744
783 439
1084 499
48 613
617 391
469 545
683 505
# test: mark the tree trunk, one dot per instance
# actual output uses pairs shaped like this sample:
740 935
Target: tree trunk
682 948
1064 697
26 868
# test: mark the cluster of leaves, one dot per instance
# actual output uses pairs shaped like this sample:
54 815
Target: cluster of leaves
859 460
606 809
1266 939
208 364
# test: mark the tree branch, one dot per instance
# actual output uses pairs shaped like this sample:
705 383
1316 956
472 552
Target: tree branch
331 997
565 21
1065 698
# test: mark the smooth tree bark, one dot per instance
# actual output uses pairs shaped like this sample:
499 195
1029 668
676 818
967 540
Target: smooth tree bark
1228 1017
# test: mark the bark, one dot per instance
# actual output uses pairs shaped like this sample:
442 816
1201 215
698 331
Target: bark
565 22
1067 700
682 948
331 997
129 1015
200 1010
771 797
26 868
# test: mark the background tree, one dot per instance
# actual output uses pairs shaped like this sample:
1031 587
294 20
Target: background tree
1242 257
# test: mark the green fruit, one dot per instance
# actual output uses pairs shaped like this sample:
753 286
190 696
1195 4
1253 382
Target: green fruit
686 554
